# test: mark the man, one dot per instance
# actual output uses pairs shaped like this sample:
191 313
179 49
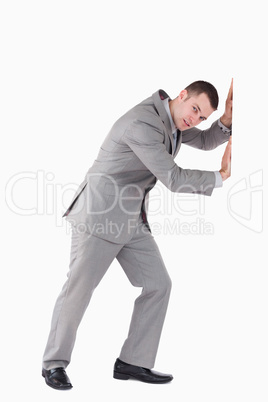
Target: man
108 218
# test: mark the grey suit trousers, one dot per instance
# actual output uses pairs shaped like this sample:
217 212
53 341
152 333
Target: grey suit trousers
90 258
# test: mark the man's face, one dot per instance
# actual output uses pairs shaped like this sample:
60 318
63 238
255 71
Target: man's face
189 112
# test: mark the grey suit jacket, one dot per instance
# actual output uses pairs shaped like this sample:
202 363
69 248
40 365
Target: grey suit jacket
136 153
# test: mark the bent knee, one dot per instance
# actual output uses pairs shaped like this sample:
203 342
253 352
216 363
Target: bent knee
162 287
168 284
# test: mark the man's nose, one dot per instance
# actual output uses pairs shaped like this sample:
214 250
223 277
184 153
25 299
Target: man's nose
194 120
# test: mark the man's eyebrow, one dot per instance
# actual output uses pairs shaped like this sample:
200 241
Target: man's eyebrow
200 111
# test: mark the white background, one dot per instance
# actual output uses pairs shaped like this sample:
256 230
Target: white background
68 70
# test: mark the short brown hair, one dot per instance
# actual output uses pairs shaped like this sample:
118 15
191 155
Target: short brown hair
200 87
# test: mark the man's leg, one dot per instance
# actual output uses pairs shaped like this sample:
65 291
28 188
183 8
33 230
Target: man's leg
143 264
90 259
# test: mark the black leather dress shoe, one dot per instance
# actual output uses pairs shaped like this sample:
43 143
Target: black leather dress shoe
124 371
57 378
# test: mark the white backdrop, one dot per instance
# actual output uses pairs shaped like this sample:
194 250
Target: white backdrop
69 69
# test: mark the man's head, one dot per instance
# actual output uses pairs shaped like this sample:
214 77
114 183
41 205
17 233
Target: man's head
194 105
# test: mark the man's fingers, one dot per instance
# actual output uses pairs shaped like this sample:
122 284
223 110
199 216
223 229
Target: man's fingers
230 93
229 146
228 152
226 161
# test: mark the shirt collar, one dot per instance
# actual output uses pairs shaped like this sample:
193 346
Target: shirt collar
166 105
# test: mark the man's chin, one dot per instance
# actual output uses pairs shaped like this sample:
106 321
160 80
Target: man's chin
184 128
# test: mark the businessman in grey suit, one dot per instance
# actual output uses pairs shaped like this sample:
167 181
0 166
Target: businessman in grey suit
108 219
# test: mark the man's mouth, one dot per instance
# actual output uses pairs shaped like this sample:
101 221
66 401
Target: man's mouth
186 122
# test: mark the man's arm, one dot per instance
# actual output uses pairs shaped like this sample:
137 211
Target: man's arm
146 140
206 139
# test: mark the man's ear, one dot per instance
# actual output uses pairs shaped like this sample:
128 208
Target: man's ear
183 94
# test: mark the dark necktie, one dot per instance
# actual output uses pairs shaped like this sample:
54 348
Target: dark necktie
174 140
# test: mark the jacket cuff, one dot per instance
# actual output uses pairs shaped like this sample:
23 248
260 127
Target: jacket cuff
218 182
225 129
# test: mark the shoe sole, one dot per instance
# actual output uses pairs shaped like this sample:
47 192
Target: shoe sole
121 376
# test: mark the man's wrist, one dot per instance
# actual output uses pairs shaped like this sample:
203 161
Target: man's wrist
226 121
224 174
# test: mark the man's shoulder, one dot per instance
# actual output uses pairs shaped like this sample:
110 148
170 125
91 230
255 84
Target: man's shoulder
150 111
145 110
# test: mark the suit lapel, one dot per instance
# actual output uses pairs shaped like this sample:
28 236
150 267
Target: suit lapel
158 96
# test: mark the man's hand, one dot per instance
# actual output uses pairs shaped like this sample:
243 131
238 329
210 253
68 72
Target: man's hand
226 161
226 118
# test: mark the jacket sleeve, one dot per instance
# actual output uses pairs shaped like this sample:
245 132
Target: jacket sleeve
205 139
146 140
